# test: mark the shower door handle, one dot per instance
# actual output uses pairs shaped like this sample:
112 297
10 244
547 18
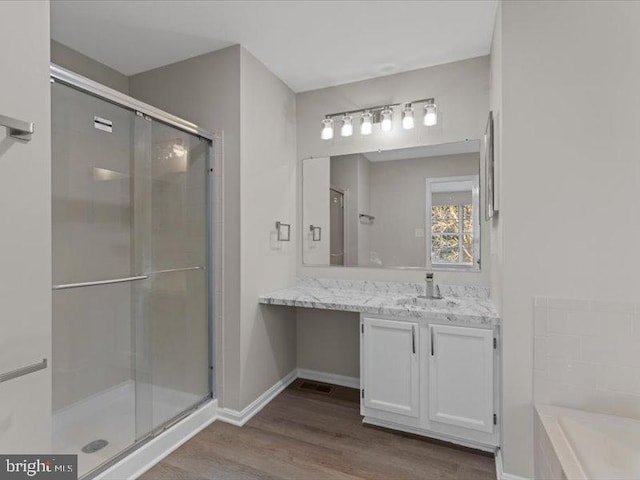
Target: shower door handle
17 128
100 282
19 372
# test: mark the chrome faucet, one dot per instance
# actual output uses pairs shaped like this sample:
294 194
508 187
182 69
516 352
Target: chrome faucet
431 290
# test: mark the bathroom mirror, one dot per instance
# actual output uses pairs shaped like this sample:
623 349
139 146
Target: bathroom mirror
414 207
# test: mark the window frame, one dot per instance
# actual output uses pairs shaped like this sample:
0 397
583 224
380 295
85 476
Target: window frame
474 265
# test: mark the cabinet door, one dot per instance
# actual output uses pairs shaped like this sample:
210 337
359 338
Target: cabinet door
390 367
461 377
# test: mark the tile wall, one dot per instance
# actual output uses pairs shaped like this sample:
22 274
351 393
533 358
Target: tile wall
587 355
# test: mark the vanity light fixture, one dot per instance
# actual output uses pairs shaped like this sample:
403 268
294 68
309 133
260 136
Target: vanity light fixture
430 113
385 119
382 114
179 150
347 126
366 125
327 129
407 117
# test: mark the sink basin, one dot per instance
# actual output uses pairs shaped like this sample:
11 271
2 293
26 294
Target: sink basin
428 302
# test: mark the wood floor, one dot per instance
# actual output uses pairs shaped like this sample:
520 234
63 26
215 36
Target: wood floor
304 435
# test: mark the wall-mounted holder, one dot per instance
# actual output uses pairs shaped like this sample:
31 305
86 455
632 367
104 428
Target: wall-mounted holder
17 128
316 233
284 231
366 219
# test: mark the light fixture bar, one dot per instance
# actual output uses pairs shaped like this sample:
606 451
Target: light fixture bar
382 114
377 108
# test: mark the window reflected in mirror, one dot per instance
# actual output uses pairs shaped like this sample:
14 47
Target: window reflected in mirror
454 232
405 208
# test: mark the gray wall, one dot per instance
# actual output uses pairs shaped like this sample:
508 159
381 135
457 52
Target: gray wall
398 196
461 90
206 91
517 457
583 155
230 90
328 342
268 186
25 216
364 206
77 62
316 172
344 175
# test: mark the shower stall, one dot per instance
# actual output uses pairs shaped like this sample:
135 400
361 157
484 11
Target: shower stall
131 220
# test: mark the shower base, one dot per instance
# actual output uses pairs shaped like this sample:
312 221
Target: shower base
111 415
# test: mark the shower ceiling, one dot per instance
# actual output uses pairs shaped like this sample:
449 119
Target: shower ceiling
307 44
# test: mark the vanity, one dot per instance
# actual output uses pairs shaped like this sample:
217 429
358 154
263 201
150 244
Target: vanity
427 366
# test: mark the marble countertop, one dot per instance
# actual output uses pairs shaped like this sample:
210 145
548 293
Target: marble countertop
460 305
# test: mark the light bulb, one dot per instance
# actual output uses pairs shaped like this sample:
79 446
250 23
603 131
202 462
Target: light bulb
385 122
407 117
347 126
366 126
430 114
327 129
179 150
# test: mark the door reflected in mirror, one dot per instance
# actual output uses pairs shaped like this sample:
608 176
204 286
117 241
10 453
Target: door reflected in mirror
406 208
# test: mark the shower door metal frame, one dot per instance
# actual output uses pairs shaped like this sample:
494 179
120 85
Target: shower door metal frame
90 87
96 89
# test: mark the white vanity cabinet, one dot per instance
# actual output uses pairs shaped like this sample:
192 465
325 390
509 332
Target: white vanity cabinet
461 377
430 379
391 381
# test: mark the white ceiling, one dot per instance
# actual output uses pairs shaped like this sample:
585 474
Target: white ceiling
454 148
307 44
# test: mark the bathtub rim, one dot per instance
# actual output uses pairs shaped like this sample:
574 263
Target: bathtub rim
548 415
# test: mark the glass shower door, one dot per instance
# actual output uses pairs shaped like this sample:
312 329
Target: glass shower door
131 330
172 328
93 390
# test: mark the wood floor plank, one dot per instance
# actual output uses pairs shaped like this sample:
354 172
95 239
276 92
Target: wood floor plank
166 471
300 421
207 463
276 454
382 457
304 435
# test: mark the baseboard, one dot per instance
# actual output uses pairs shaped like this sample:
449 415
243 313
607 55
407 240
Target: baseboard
149 454
500 473
418 431
343 381
239 418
